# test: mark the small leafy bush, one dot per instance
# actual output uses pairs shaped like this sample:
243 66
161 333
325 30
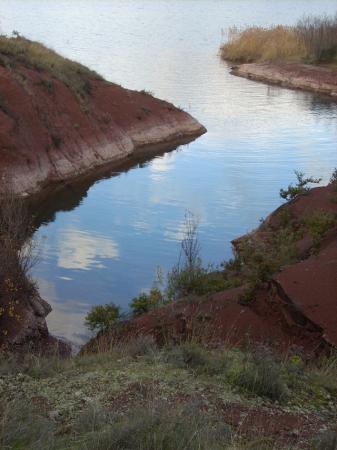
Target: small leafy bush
186 280
189 276
333 178
102 317
146 302
301 187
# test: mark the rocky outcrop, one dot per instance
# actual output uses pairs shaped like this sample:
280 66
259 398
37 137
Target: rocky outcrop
322 80
48 134
311 286
24 329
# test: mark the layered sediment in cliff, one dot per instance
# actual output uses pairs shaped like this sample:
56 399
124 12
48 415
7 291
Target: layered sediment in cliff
318 79
50 133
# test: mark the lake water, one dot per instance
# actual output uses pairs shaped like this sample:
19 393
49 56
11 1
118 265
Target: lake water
105 244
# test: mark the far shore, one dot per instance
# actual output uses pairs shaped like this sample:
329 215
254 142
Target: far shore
318 79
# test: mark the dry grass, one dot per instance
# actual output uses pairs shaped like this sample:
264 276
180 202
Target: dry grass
18 50
278 43
313 39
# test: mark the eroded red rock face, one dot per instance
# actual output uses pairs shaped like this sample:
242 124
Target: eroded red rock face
311 286
48 134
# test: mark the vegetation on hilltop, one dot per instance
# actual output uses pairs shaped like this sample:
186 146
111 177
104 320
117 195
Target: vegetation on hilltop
311 40
17 50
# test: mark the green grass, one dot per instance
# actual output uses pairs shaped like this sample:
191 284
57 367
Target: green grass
16 51
153 399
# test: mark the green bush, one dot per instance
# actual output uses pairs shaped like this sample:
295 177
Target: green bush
333 178
301 187
256 259
102 317
186 280
146 302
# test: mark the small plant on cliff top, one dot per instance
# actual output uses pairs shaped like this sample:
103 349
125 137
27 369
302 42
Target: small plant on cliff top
318 223
301 187
188 275
333 178
102 317
145 302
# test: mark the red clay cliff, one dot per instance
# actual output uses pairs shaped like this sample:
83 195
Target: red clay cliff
49 132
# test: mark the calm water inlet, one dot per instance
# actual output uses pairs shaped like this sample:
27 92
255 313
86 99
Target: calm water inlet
103 242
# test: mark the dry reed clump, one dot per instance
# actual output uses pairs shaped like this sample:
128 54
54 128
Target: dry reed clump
19 50
278 43
312 40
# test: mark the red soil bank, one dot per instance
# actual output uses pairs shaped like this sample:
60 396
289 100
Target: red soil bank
47 134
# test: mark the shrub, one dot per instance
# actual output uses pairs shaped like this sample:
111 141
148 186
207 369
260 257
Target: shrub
257 259
262 376
186 280
146 302
318 223
324 374
301 187
333 178
102 317
187 276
